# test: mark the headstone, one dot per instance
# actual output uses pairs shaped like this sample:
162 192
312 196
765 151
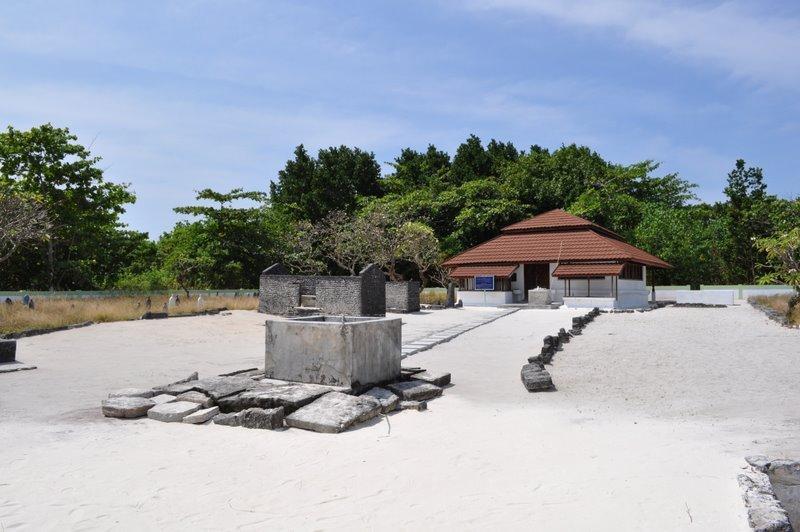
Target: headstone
26 299
172 412
8 351
148 303
177 300
201 303
31 304
171 302
201 416
387 399
536 378
415 390
165 308
132 392
451 295
8 301
126 407
334 412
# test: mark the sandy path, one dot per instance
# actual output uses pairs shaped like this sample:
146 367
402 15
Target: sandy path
486 454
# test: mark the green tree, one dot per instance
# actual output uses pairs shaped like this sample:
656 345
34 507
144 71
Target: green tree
48 163
783 253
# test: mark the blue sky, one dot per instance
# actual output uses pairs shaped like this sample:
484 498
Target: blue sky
179 96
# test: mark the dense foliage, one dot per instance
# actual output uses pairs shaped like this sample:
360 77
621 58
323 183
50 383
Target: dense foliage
334 212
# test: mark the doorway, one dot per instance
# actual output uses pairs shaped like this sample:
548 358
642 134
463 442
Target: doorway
536 275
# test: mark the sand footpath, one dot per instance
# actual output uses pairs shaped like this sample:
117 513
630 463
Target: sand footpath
647 431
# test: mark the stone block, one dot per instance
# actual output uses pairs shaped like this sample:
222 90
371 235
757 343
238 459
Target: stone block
415 390
230 419
337 351
536 378
172 412
434 377
219 387
8 351
387 399
162 398
132 392
196 397
201 416
177 387
290 396
334 412
126 407
413 405
260 418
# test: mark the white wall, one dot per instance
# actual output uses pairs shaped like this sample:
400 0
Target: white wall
631 293
473 298
518 286
707 297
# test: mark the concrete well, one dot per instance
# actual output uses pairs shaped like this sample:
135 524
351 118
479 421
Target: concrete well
333 350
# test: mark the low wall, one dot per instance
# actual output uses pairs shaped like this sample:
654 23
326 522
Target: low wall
402 296
474 298
361 295
706 297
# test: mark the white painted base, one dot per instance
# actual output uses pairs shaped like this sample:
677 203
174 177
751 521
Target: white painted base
629 300
707 297
473 298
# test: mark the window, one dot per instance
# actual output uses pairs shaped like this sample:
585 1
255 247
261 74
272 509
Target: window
631 271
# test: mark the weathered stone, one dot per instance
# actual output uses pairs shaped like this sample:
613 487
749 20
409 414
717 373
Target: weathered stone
177 387
126 407
219 387
760 462
230 419
764 511
266 394
197 397
413 405
260 418
132 392
415 390
201 416
8 351
387 399
536 378
334 412
9 367
162 398
242 372
434 377
172 412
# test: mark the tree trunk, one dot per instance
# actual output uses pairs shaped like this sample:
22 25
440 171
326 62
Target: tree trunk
51 264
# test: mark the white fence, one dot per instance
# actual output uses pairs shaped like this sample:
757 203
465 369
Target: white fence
718 294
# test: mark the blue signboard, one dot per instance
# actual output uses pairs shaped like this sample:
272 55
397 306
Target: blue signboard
484 282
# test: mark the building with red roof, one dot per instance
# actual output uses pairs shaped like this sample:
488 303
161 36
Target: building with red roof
579 262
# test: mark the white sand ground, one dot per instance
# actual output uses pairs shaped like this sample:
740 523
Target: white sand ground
647 431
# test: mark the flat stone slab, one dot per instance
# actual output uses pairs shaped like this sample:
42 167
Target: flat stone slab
536 378
413 405
201 416
433 377
274 394
162 398
132 392
334 412
230 419
177 387
9 367
126 407
219 387
196 397
172 412
387 399
415 390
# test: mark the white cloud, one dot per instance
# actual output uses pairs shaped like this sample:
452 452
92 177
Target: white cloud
736 37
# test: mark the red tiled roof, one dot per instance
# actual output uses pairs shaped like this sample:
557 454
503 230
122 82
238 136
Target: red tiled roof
588 269
472 271
551 237
549 220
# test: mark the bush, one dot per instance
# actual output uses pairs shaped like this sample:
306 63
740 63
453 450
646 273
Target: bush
146 281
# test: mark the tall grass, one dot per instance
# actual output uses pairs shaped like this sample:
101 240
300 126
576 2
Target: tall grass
433 296
780 303
51 313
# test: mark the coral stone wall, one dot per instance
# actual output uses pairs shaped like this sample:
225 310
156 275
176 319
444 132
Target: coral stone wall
402 296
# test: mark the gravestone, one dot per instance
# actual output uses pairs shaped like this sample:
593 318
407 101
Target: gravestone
8 351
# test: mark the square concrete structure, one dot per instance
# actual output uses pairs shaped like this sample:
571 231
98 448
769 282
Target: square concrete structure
331 350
